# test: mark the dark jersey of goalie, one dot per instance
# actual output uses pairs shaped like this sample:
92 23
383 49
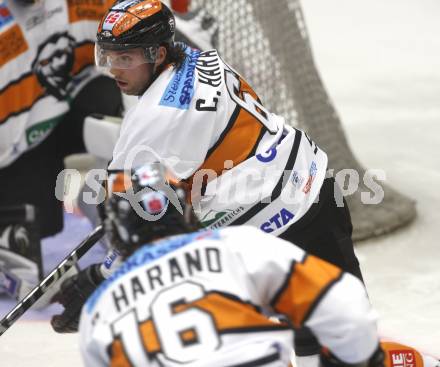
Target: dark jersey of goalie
204 299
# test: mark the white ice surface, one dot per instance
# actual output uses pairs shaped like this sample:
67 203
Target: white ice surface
380 61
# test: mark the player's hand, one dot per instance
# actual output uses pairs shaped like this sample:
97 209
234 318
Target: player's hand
72 295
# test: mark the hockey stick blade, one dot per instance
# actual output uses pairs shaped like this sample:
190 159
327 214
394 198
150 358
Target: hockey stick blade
35 294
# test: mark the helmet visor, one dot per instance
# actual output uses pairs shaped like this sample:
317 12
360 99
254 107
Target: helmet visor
124 58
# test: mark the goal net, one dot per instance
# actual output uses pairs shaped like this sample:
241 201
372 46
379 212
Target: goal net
268 43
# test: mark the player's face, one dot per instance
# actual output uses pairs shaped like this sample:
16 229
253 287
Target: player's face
134 81
133 69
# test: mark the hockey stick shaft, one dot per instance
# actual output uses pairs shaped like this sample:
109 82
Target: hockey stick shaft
35 294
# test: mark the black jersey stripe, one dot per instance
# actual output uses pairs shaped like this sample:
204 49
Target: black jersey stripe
282 182
225 132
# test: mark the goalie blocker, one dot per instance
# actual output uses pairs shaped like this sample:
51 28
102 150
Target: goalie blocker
20 250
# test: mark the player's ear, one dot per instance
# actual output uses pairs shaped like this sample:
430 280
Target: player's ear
161 55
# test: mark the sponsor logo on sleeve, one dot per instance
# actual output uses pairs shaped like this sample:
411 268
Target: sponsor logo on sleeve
312 175
402 358
216 219
110 259
180 91
296 179
277 221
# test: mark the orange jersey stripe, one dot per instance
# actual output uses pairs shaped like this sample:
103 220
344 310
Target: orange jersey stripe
237 144
308 280
84 56
149 337
12 44
398 355
118 357
232 314
239 141
20 96
229 315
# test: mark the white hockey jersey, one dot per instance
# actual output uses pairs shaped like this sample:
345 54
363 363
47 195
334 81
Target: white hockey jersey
46 56
205 122
203 299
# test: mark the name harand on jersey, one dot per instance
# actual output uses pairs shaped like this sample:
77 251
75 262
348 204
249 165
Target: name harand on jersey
203 299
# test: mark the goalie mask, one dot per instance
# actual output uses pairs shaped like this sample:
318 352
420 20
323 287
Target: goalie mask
133 24
142 206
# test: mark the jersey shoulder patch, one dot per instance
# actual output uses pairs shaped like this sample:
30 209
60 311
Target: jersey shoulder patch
180 90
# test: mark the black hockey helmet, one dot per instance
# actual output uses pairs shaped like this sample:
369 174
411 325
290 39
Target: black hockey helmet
136 23
145 205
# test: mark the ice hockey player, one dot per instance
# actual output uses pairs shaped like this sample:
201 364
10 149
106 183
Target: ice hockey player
196 113
204 298
48 84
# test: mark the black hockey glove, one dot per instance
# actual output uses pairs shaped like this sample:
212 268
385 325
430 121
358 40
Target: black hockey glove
376 360
72 295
